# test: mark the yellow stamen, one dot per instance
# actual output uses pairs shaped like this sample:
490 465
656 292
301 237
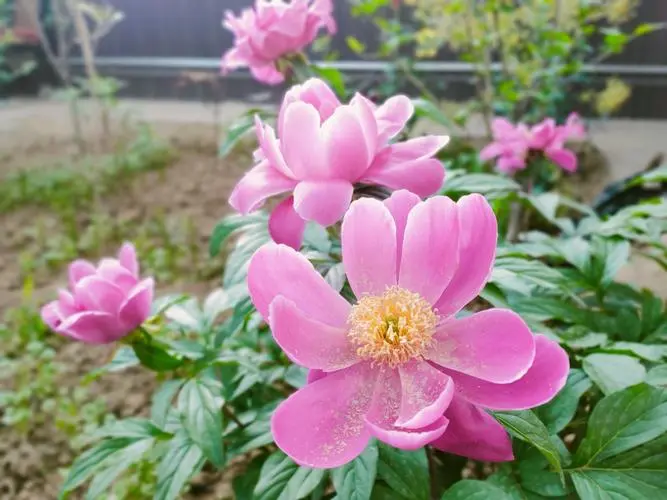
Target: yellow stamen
392 328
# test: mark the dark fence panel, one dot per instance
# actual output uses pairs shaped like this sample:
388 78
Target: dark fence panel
160 39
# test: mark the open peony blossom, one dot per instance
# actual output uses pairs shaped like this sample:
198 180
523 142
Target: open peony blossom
323 149
104 303
398 365
274 29
512 144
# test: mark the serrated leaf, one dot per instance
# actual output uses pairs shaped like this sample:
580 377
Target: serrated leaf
226 227
130 428
406 472
202 419
282 479
182 460
613 372
622 421
355 480
470 489
526 426
559 411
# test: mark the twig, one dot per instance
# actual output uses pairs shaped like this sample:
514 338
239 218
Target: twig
229 413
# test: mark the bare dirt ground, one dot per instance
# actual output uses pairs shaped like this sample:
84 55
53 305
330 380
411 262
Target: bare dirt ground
196 185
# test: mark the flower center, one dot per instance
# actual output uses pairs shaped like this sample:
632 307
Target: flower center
392 328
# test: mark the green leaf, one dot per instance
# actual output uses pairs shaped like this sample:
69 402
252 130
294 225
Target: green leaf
282 479
355 480
622 421
202 419
355 45
116 465
244 484
649 352
224 229
617 255
613 372
335 276
182 460
92 460
428 109
155 357
559 411
406 472
124 358
162 400
241 126
526 426
657 376
470 489
130 428
479 183
646 28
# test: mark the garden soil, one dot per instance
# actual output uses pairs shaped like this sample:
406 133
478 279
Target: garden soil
196 185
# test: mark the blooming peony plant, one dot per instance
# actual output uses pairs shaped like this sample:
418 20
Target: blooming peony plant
104 303
512 145
398 364
323 149
272 30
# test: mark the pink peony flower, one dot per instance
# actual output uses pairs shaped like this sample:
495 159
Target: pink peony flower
104 303
325 148
512 144
274 29
398 365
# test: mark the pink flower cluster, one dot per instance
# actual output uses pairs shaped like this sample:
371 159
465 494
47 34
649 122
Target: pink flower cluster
512 144
104 303
272 30
323 148
398 364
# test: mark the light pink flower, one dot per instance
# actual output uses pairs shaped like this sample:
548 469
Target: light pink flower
273 29
391 365
325 148
512 144
104 303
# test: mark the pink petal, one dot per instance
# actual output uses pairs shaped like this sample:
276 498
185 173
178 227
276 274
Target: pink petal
492 151
302 146
347 137
137 308
385 409
324 202
322 424
475 434
78 270
280 270
308 342
401 166
96 294
392 117
111 270
93 327
66 303
260 183
314 375
409 439
510 164
267 73
564 158
285 225
400 203
503 129
430 249
478 234
51 315
425 394
495 345
545 378
270 147
127 256
368 238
